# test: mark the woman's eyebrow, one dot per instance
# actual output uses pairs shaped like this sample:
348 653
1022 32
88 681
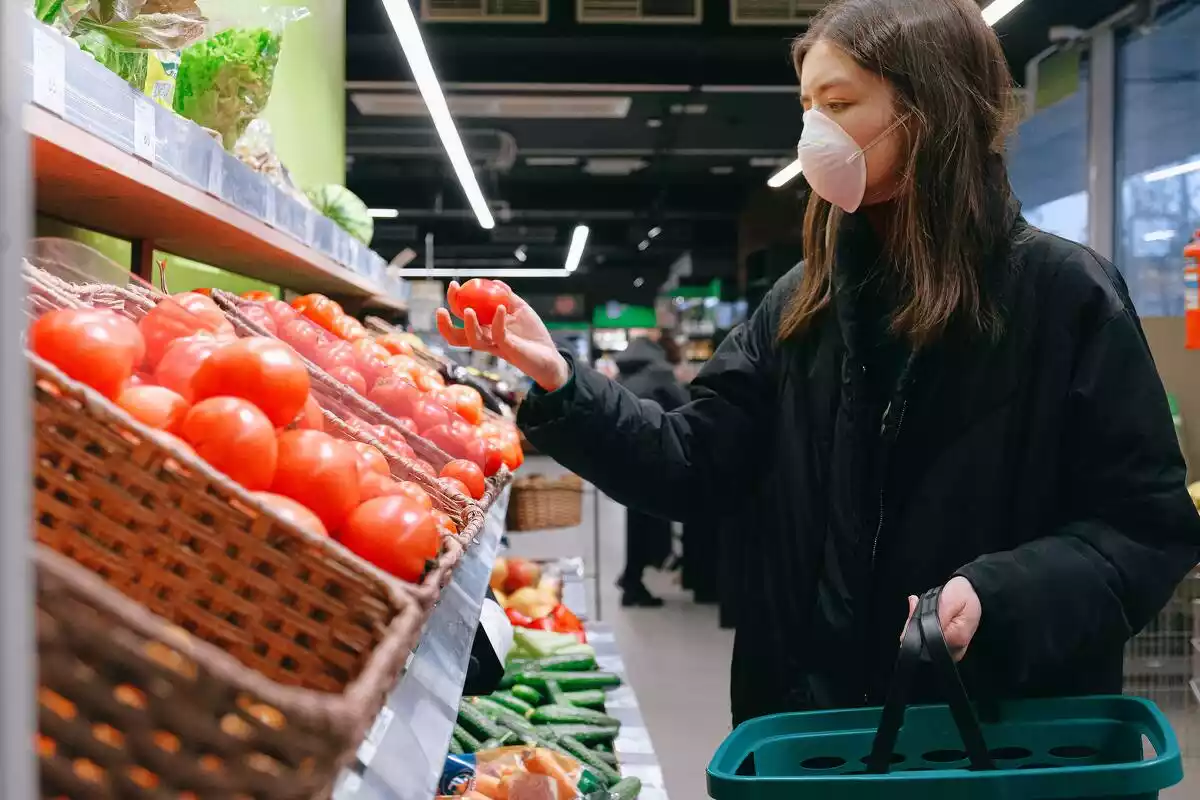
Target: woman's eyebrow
826 86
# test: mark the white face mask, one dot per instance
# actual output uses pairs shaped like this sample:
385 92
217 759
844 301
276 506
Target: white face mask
833 163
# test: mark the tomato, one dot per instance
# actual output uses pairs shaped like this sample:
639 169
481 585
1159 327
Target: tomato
334 354
260 317
371 485
99 348
447 441
370 459
372 359
484 297
463 399
351 377
289 510
487 453
303 336
320 472
393 439
406 423
181 361
348 328
155 406
407 366
320 309
281 312
423 467
396 396
235 437
454 485
445 523
397 345
415 492
395 534
311 417
428 414
469 474
257 296
264 371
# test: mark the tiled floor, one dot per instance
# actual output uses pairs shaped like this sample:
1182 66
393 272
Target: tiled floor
678 659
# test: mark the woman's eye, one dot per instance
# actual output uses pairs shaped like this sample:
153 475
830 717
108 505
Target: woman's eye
837 106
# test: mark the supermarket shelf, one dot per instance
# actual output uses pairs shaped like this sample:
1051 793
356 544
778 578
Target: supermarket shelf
110 159
403 755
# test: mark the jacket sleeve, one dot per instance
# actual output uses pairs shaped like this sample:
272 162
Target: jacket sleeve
665 463
1128 532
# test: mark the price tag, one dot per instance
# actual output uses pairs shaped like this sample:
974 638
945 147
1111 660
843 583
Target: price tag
144 135
49 72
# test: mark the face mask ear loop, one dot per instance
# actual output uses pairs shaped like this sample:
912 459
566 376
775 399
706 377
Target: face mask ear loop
863 151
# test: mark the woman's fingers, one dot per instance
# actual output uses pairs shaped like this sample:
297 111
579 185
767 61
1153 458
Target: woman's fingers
452 298
500 327
456 337
476 338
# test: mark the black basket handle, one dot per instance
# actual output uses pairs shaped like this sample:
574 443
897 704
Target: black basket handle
923 641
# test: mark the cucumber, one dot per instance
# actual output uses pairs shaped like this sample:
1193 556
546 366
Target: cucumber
455 749
589 698
570 681
556 694
469 743
560 664
606 757
507 719
589 759
503 740
531 695
550 715
594 736
626 789
512 702
478 723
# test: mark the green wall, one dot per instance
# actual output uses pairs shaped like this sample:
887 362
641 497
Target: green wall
307 113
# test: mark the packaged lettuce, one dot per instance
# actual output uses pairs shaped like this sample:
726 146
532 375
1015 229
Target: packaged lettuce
225 81
132 65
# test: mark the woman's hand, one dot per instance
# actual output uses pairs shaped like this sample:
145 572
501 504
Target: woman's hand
959 612
516 335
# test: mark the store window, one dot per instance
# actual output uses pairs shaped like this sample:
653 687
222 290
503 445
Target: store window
1158 151
1048 155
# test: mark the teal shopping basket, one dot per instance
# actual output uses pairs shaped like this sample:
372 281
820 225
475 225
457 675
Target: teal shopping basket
1067 749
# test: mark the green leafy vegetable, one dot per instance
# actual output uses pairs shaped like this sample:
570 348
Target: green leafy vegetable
343 207
225 82
132 65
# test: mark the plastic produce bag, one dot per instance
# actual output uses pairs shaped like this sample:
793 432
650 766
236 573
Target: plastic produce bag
225 81
345 208
256 149
132 65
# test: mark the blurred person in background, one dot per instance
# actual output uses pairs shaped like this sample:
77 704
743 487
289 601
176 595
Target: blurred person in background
645 369
944 398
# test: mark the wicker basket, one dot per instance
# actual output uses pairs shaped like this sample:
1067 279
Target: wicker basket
538 503
133 706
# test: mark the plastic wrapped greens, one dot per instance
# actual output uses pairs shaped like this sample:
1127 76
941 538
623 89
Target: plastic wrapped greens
225 81
132 65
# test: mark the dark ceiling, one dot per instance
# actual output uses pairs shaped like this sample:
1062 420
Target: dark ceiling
626 127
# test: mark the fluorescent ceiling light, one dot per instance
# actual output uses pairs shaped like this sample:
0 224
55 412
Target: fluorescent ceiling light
654 232
723 169
785 176
519 254
405 24
1159 236
384 213
579 239
551 161
516 272
998 10
1173 172
639 283
643 244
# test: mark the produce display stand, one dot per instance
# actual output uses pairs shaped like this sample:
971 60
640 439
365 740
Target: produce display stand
403 755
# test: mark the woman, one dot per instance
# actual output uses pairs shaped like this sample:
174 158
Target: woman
645 370
941 395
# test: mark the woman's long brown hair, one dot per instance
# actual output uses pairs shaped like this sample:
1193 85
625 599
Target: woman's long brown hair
951 215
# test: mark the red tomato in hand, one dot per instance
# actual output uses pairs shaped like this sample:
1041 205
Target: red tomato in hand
311 418
395 534
484 297
235 437
320 309
335 354
155 406
264 371
181 361
260 317
428 414
469 474
396 396
351 377
319 471
288 509
303 336
99 348
416 493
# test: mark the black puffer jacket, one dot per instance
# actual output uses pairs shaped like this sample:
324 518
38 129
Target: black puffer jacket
1044 468
646 372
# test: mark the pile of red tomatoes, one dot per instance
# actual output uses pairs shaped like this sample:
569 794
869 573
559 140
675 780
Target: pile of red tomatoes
244 405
